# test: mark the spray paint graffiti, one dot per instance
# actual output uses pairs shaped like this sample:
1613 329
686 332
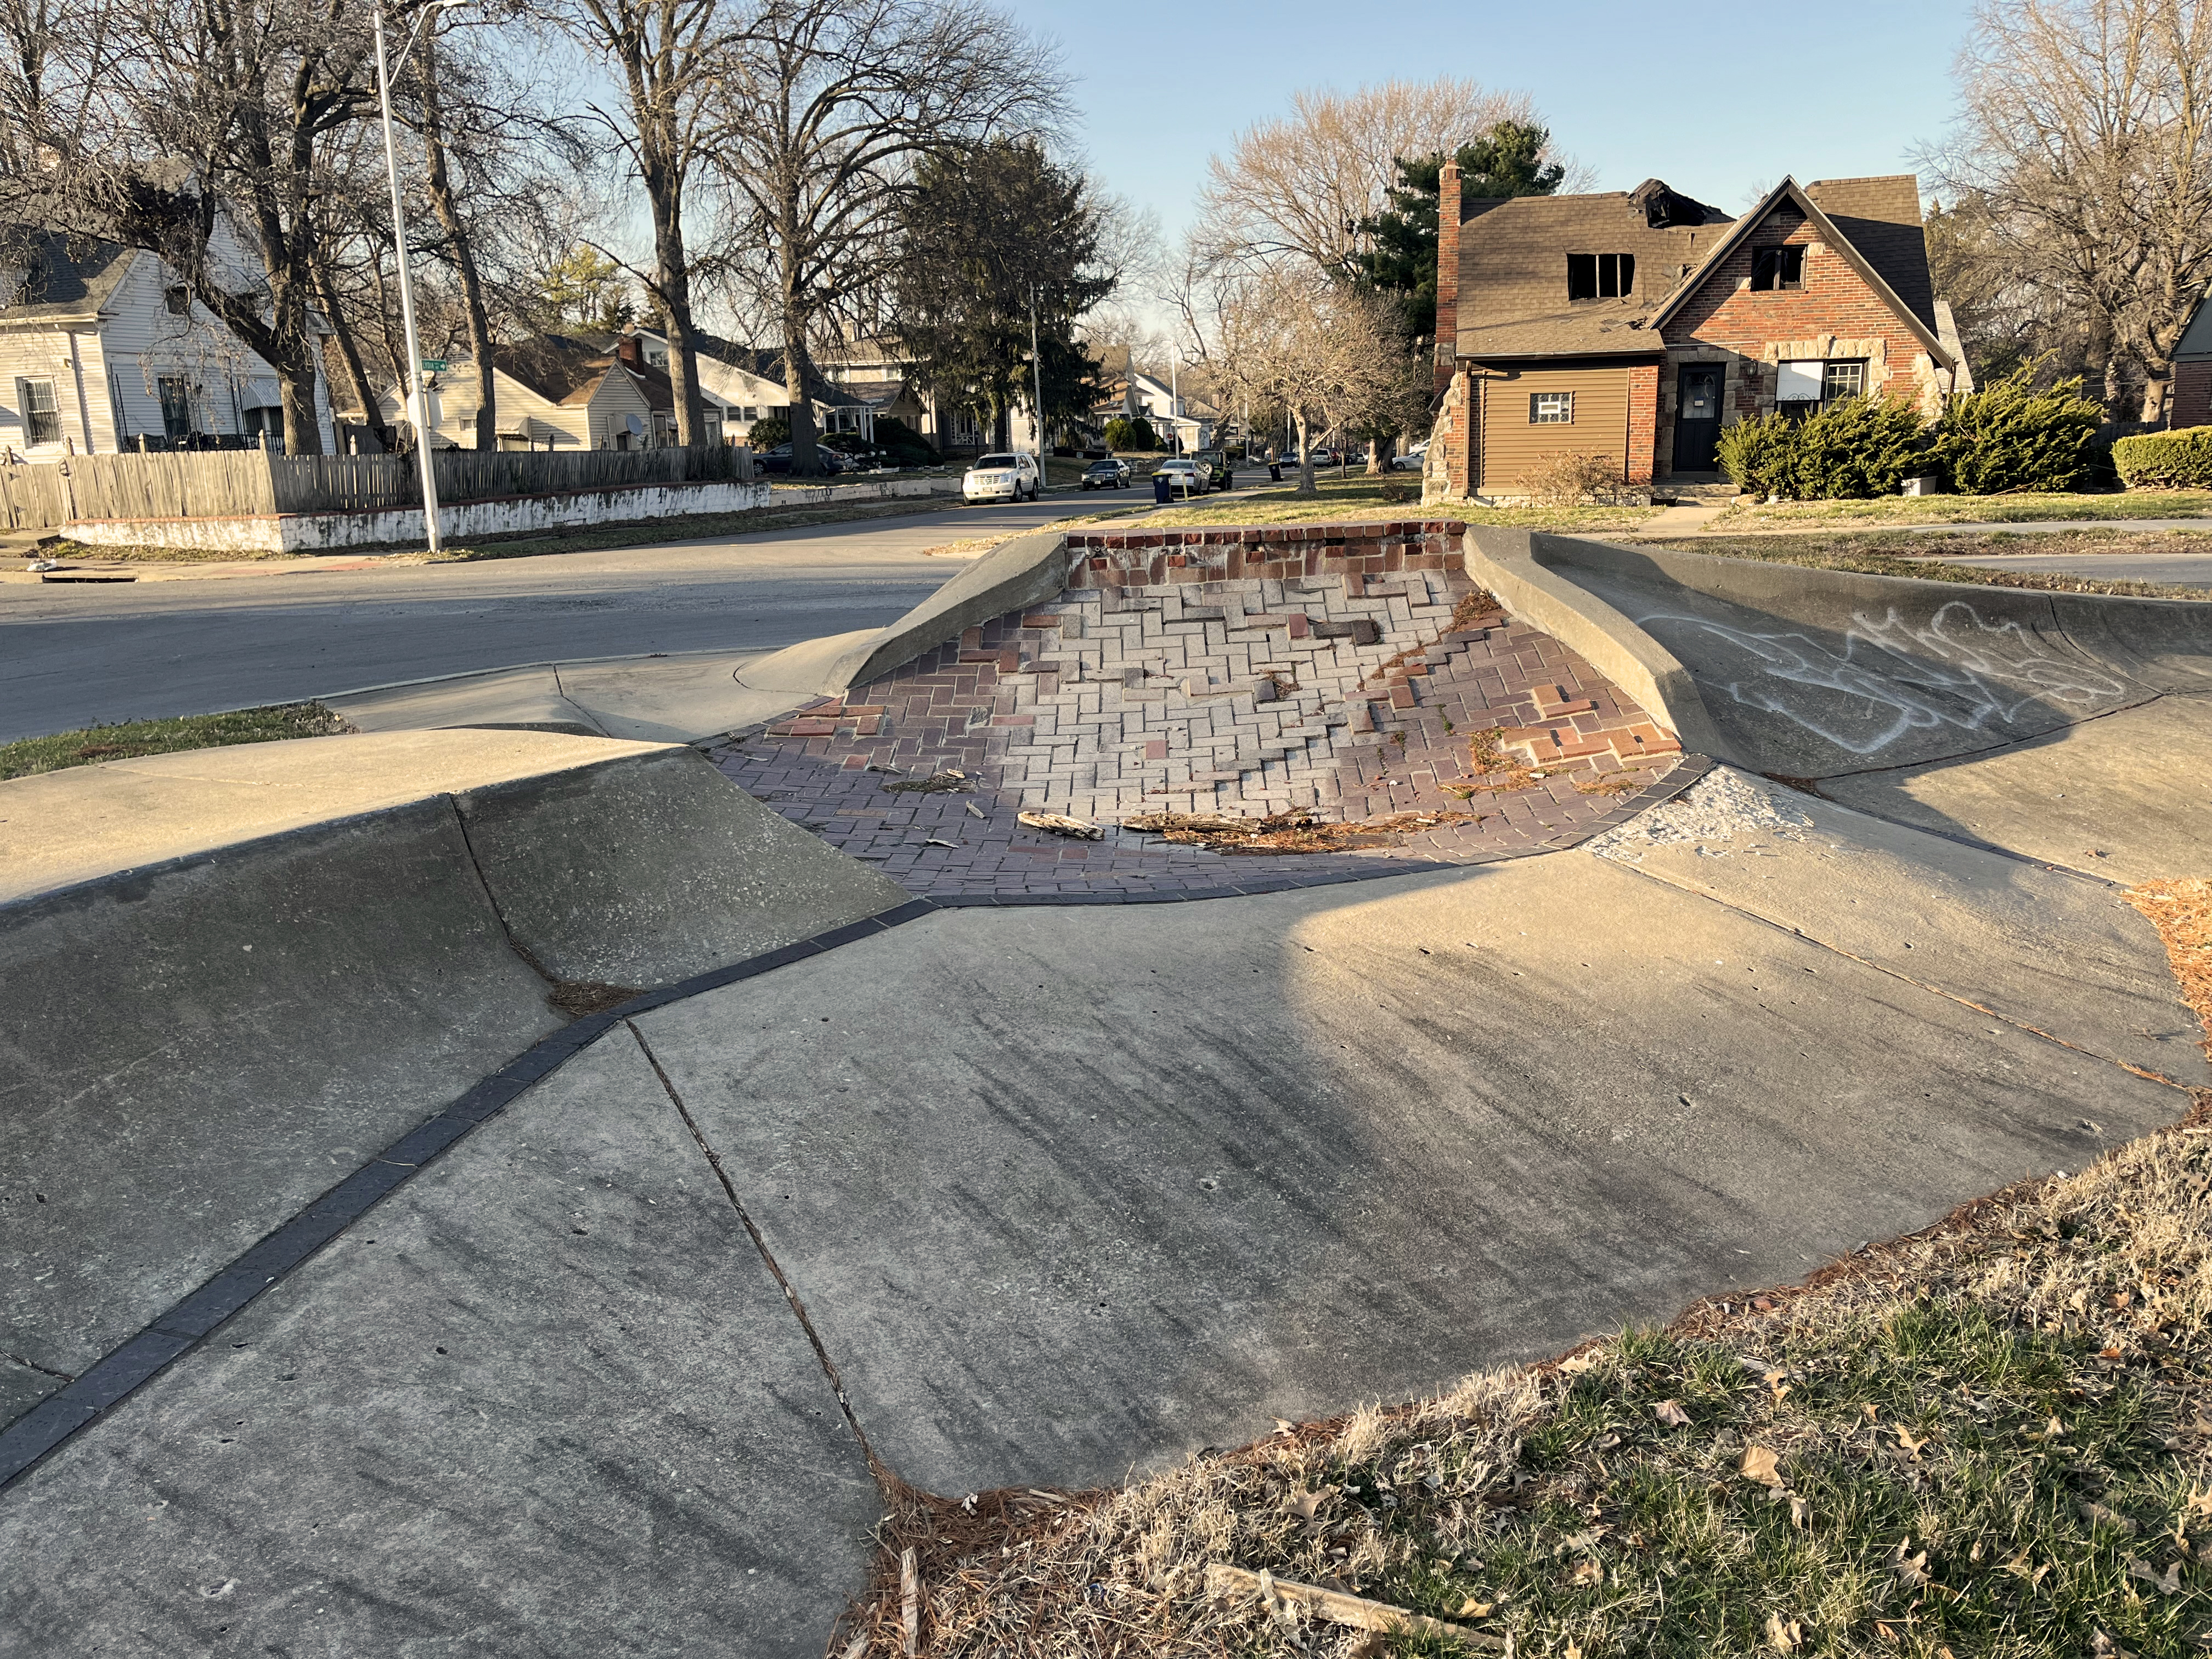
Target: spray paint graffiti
1894 676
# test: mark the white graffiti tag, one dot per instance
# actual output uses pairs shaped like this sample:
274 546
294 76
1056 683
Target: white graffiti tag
1955 669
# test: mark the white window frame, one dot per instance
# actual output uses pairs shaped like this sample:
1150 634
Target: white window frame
52 410
1563 401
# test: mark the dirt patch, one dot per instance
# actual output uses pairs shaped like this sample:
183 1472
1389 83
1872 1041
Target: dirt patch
938 783
1299 831
578 998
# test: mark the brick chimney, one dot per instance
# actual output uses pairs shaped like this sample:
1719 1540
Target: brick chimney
1447 273
631 349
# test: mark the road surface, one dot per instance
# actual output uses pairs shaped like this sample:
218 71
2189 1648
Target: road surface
73 656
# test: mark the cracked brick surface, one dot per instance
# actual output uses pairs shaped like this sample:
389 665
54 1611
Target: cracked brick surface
1360 694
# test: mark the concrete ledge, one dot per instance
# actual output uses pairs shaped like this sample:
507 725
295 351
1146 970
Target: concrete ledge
1028 570
1509 563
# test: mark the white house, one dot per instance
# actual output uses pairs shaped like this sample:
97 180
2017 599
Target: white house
551 391
1171 415
101 345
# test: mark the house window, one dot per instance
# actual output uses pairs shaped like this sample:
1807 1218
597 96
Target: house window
176 405
1600 275
1802 387
1843 381
178 300
1776 267
42 415
1551 408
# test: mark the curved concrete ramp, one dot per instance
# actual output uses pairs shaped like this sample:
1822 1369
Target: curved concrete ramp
2071 727
233 975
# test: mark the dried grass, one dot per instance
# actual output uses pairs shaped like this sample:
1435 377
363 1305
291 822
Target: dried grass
1296 831
2182 913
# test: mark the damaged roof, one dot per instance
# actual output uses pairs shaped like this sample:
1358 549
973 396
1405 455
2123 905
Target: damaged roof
1512 284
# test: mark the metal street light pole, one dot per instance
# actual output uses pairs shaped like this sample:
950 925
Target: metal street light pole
1036 370
418 400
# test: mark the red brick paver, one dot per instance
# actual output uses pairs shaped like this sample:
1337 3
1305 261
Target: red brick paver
1355 694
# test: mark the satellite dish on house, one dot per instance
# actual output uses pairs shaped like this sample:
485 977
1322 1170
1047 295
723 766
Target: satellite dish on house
633 426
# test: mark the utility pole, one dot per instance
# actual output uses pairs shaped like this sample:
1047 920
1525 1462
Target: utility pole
418 398
1037 372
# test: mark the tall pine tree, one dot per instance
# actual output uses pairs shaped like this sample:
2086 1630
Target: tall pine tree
987 228
1507 161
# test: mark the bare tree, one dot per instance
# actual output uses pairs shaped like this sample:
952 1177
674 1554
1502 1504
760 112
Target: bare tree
1299 185
665 56
821 109
2085 138
1322 352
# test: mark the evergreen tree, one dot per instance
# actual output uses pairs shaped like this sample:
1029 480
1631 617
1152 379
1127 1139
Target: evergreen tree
1507 161
988 230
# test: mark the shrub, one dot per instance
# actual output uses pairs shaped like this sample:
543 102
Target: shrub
1854 448
768 432
1758 455
2169 461
1124 433
903 441
2011 437
1570 480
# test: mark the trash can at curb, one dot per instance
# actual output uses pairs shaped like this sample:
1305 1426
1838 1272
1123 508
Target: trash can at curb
1274 472
1160 487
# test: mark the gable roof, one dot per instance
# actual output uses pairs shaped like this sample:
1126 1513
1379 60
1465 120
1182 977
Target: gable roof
2197 338
1512 284
65 279
1881 217
1888 235
558 367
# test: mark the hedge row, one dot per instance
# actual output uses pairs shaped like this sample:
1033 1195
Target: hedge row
2171 460
2011 437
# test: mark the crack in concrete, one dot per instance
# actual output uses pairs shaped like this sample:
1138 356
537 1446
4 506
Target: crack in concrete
33 1366
885 1477
1796 931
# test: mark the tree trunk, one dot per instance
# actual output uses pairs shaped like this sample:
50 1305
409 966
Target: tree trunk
805 457
465 260
1306 484
372 412
1374 457
664 191
295 390
2156 386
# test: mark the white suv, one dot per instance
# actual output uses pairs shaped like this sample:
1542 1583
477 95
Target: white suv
1001 478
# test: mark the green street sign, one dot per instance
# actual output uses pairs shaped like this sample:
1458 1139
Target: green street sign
434 365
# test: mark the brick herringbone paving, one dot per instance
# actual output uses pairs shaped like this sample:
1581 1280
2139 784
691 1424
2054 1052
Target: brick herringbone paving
1360 696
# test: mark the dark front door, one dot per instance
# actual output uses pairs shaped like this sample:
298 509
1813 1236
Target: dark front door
1697 417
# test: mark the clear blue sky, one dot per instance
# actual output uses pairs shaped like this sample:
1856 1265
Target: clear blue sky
1713 98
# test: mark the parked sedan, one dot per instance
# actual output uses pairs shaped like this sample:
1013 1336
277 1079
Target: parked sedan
1106 475
1001 478
779 460
1413 460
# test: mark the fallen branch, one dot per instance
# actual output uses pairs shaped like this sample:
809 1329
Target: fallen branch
1224 1583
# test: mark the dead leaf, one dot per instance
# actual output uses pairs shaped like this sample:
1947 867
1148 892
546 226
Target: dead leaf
2102 1647
1472 1608
1670 1412
1784 1637
1059 823
1799 1509
1283 1425
2168 1583
1911 1570
1574 1648
1587 1572
1760 1464
1581 1362
1885 1632
1307 1505
1907 1444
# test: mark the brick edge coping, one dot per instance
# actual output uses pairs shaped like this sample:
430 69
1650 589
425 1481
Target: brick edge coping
33 1436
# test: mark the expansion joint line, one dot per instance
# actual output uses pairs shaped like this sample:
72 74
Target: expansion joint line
1779 926
33 1366
883 1476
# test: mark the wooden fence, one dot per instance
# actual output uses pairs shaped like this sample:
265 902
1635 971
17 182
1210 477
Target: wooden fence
247 484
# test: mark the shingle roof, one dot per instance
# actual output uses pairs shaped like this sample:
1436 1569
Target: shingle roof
556 366
2197 338
1881 217
65 279
1513 278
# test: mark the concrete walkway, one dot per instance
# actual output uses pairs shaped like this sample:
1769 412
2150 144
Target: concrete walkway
1044 1194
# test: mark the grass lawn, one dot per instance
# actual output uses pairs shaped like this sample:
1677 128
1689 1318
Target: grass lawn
1905 554
1359 498
1969 509
1992 1440
70 552
133 739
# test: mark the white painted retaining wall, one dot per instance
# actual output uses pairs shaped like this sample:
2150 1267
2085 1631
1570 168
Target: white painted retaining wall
314 532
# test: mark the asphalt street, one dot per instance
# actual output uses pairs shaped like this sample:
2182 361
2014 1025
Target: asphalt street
72 656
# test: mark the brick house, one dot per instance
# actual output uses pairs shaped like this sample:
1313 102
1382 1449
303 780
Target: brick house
2191 404
1634 325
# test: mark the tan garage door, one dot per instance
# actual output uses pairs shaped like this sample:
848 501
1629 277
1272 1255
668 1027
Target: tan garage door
1521 427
